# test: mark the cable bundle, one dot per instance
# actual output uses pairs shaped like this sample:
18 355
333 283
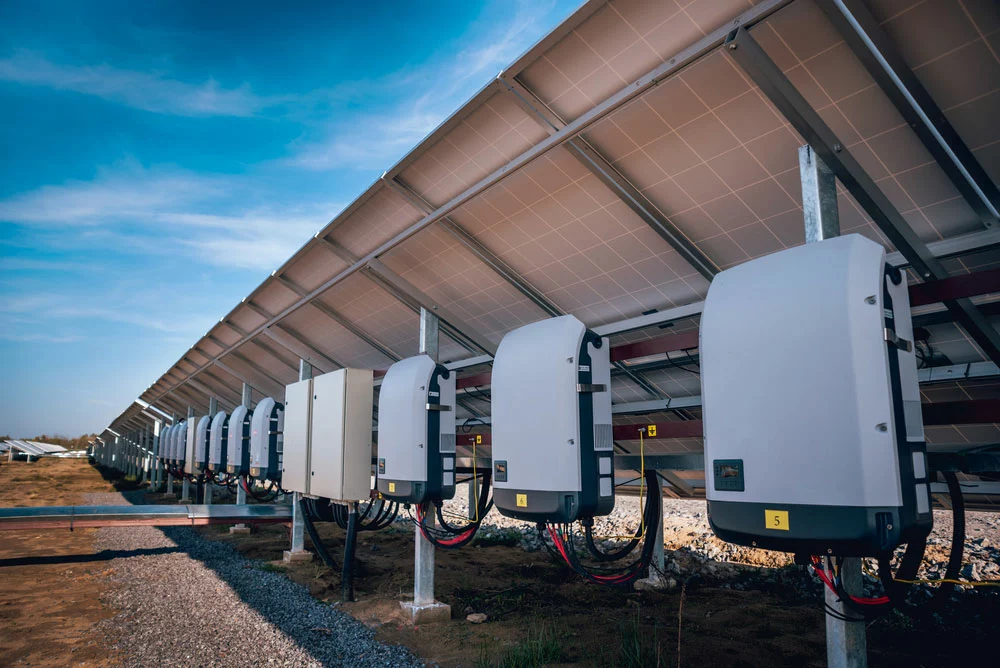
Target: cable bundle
377 514
897 585
269 494
563 546
450 537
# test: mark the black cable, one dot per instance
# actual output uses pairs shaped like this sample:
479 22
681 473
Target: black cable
314 536
627 574
350 547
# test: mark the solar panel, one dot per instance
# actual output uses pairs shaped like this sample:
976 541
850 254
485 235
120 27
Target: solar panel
613 169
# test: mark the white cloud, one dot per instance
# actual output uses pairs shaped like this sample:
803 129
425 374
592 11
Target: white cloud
377 138
203 216
40 338
149 91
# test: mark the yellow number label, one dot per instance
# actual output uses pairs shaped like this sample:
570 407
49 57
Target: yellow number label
776 519
392 487
522 500
479 439
651 430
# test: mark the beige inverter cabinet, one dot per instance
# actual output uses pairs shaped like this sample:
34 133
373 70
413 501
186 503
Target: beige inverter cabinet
328 435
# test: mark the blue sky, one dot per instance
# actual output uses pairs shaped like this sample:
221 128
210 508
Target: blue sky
158 160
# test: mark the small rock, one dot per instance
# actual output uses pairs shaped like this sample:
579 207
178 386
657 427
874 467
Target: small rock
476 618
469 610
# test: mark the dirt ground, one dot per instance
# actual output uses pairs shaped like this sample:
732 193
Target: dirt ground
50 581
529 598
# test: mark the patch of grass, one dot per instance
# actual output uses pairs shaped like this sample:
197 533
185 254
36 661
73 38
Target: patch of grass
540 648
637 647
508 537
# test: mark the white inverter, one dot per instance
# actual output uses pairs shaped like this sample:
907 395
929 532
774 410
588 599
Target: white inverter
416 432
813 433
238 442
179 438
202 434
218 442
266 427
165 455
551 423
327 447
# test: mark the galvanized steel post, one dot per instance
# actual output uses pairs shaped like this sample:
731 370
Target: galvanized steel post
423 551
298 551
169 490
247 398
845 640
144 454
213 407
186 484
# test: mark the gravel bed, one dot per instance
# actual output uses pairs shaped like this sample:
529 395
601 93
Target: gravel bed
693 550
194 602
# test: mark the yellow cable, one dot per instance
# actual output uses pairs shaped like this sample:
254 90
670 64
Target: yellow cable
642 487
987 583
474 475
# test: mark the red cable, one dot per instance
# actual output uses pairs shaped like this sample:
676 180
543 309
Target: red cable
881 600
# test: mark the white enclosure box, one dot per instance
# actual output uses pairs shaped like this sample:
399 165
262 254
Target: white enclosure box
813 432
295 471
341 455
238 442
217 442
416 432
328 435
551 423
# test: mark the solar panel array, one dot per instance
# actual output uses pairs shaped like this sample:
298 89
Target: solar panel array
33 448
611 171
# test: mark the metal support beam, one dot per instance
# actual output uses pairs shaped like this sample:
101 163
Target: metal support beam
606 173
292 341
212 392
256 367
259 310
337 250
472 244
236 374
356 331
407 293
678 483
876 51
273 353
748 54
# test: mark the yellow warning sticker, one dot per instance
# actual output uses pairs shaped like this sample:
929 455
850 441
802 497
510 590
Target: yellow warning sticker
522 500
776 519
479 439
651 430
392 487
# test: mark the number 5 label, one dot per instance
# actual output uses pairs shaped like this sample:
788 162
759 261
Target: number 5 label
776 520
